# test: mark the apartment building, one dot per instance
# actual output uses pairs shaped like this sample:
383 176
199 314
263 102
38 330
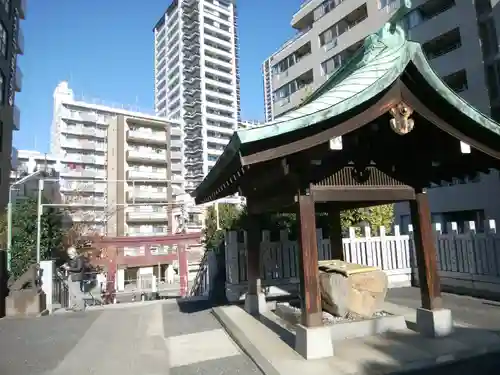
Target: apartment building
331 31
197 78
119 169
11 77
460 39
25 162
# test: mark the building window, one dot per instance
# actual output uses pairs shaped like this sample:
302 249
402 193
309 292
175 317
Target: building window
457 81
443 44
332 64
3 40
2 89
6 5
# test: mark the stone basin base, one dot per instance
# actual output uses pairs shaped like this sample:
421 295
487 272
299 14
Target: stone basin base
342 328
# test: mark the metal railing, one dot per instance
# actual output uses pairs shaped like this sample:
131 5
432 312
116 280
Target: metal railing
200 283
60 291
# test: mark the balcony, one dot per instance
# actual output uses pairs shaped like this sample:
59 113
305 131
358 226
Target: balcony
93 201
147 195
87 117
22 9
147 154
86 216
85 130
137 232
82 173
145 215
20 41
86 187
19 79
176 167
147 135
147 175
195 224
86 159
83 145
175 155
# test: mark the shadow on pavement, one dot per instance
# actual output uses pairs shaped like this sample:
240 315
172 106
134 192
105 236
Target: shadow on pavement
462 363
189 307
37 345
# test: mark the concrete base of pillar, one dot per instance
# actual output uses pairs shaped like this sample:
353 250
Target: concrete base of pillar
255 303
434 323
313 343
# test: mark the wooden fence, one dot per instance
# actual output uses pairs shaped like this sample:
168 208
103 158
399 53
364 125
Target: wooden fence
467 261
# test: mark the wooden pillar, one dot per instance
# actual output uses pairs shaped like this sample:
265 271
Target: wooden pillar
312 315
183 269
111 274
253 255
335 235
425 249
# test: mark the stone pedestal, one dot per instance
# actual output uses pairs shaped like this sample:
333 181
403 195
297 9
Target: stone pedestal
25 303
434 323
313 343
255 303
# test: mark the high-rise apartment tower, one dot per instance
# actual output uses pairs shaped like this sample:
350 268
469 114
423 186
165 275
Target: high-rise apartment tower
197 79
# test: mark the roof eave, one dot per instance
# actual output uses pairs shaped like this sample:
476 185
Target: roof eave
231 152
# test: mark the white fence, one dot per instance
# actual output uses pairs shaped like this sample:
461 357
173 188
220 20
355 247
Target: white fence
467 261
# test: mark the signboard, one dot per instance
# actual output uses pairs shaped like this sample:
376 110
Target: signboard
13 58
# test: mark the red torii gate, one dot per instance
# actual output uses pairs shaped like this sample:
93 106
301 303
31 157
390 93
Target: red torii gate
115 256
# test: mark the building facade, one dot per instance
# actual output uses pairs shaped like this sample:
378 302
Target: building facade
331 31
11 45
460 39
197 79
120 170
24 163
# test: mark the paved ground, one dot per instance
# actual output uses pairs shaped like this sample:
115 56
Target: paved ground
199 345
485 365
477 312
149 339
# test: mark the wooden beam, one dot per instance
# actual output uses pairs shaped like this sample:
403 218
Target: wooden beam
425 250
368 193
388 100
312 313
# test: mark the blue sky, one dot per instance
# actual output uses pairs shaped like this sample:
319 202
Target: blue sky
104 48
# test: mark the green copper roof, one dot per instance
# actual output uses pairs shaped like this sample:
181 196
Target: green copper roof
375 67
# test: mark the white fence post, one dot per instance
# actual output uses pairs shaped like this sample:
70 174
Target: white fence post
471 246
468 259
47 269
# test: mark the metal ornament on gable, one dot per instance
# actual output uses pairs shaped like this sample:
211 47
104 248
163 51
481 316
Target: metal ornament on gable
401 123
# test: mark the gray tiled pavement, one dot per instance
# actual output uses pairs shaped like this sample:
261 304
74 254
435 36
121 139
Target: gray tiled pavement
225 366
199 345
140 339
35 346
